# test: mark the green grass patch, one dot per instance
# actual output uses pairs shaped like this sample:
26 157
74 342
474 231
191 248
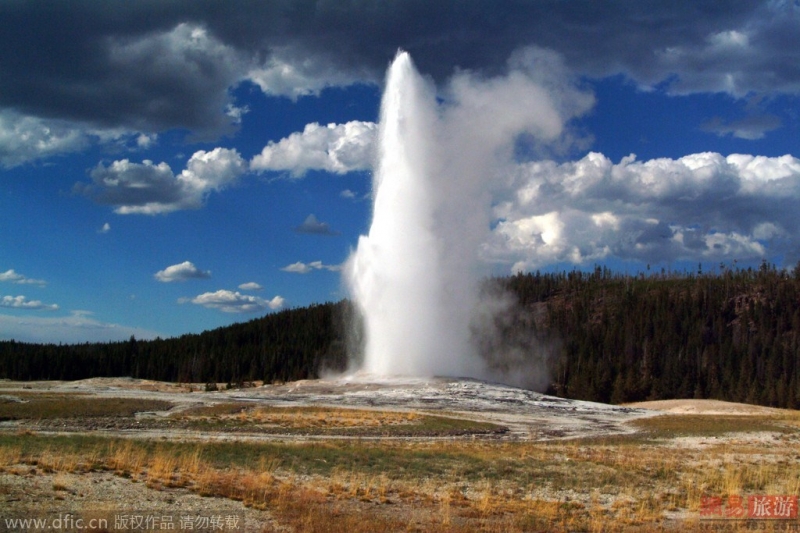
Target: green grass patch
325 421
32 445
429 425
669 426
215 410
303 458
454 462
80 412
426 426
48 407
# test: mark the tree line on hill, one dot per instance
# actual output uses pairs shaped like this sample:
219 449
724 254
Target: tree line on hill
285 346
732 335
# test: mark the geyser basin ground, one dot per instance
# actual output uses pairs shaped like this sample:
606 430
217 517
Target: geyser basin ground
561 466
527 414
523 414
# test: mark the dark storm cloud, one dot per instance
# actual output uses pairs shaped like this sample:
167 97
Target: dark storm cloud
153 65
112 64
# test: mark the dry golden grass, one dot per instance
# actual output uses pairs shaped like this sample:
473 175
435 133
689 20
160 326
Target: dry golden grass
61 483
642 482
328 421
9 456
331 417
300 417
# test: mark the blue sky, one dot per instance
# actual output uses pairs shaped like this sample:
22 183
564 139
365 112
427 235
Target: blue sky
167 168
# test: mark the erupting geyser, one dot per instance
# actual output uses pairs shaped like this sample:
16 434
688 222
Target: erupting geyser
416 310
414 278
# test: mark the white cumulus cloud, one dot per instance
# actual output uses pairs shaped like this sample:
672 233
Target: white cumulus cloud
700 207
24 138
149 188
21 302
250 286
181 272
304 268
338 148
14 277
234 302
284 75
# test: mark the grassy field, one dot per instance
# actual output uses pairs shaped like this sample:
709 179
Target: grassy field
43 406
329 421
650 480
79 412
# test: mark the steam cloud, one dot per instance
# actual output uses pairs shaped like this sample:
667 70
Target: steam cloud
415 277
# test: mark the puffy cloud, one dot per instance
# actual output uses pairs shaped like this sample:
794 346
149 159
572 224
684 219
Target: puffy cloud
71 69
284 75
338 148
14 277
181 272
105 228
250 286
21 302
313 226
234 302
700 207
298 268
149 188
125 184
304 268
213 170
25 138
236 113
145 141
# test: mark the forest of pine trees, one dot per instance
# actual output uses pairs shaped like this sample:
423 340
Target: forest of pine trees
733 335
289 345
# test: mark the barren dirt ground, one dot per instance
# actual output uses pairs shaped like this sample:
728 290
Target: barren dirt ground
613 449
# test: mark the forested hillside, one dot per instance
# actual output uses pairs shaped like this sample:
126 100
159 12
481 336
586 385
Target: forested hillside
733 335
289 345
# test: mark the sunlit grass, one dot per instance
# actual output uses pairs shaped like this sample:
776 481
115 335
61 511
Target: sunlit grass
443 486
330 421
642 481
668 426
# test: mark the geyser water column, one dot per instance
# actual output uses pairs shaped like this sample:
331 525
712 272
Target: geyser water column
416 308
414 278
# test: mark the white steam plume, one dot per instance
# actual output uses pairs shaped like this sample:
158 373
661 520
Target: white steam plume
415 277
